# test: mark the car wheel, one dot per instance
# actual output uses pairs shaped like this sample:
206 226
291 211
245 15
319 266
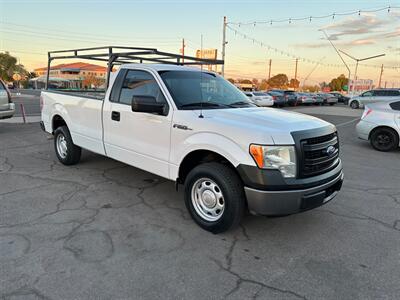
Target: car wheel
331 104
67 152
354 104
384 139
214 197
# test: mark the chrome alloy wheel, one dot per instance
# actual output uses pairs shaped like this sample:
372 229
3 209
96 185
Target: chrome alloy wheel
208 200
61 146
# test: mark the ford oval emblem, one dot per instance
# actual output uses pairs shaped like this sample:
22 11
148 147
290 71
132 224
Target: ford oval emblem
330 150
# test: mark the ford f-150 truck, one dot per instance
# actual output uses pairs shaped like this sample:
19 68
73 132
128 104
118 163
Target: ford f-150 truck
197 129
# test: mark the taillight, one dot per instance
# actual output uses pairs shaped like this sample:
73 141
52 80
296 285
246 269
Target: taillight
366 112
273 97
41 102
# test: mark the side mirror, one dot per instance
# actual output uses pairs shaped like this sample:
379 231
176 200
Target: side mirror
147 104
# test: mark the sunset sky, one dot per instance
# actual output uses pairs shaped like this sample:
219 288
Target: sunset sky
28 29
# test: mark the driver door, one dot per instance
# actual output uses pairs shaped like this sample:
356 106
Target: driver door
137 138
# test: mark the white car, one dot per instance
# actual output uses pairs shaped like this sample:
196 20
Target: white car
7 108
195 128
380 124
372 96
260 98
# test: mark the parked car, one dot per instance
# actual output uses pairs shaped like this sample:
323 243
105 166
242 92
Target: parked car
195 128
278 98
328 98
341 98
7 107
380 124
260 98
372 96
319 99
290 96
305 98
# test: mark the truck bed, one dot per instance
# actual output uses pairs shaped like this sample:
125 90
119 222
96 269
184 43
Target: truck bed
94 94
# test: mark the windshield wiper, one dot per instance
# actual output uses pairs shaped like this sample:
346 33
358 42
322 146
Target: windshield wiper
240 103
203 104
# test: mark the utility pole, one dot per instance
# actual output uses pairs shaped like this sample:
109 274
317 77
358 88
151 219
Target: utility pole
269 69
380 77
385 84
224 42
183 50
295 70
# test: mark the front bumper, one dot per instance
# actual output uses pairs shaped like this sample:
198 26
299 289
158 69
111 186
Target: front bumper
286 202
8 112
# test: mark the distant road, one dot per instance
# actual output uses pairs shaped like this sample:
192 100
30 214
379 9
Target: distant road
30 100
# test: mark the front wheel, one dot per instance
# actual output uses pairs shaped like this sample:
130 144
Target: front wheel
354 105
384 139
214 197
67 152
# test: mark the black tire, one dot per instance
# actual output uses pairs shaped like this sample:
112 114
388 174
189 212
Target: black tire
331 104
73 152
231 188
384 139
354 104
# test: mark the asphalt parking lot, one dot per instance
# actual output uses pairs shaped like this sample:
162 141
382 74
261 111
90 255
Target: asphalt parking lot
105 230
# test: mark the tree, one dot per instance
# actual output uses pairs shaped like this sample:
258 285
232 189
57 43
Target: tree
263 85
311 88
9 67
338 83
278 81
294 83
255 81
231 80
92 81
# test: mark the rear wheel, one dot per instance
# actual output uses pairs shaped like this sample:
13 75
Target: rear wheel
214 197
384 139
67 152
354 104
331 104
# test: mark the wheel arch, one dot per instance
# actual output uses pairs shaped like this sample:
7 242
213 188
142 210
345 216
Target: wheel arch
197 157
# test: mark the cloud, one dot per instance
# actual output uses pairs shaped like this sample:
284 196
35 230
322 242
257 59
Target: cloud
395 33
366 23
361 42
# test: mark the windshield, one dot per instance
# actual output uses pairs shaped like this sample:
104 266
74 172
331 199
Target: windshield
192 90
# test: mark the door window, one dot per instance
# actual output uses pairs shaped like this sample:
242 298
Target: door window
140 83
367 94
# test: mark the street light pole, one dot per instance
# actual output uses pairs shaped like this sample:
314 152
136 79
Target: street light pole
338 53
357 60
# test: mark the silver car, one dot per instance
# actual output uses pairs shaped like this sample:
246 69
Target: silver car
380 125
372 96
7 108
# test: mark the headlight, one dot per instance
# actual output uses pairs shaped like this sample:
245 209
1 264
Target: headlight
282 158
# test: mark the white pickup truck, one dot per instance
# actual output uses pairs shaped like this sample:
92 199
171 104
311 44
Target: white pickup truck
197 129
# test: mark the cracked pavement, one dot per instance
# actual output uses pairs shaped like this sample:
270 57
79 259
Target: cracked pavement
105 230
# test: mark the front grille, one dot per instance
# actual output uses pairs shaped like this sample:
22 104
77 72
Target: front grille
316 159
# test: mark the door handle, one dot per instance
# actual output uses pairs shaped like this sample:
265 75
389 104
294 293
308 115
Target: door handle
115 115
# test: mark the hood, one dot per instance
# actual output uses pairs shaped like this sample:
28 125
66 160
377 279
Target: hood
268 119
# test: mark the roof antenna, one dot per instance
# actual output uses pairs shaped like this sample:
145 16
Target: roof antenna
201 78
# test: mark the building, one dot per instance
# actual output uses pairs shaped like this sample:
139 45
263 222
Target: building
76 73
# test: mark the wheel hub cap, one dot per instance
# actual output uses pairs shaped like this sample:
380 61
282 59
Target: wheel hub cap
207 199
62 145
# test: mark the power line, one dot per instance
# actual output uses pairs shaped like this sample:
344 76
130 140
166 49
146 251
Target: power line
311 17
288 54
